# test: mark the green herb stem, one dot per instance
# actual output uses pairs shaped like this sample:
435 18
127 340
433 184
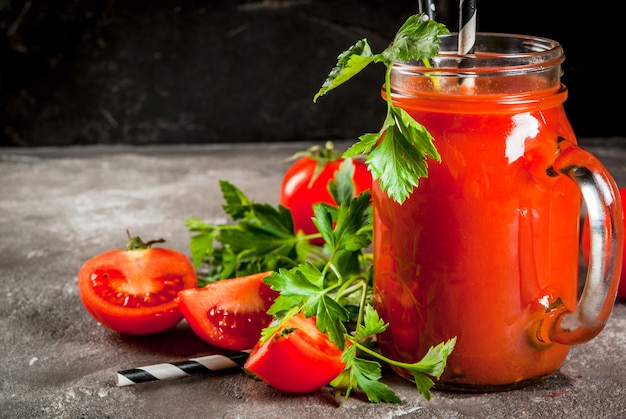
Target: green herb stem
388 89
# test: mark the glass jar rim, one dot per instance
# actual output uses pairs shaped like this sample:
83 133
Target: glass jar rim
494 53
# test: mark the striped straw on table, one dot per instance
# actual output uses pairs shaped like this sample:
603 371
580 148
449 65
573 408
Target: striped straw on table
193 366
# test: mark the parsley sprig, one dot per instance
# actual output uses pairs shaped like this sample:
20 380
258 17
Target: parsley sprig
260 237
397 153
332 282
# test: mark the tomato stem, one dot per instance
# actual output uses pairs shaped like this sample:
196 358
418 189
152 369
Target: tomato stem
135 243
282 320
324 154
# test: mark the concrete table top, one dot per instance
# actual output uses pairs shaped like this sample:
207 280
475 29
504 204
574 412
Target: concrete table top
61 206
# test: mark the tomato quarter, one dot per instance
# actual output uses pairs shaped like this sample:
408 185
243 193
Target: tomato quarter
305 183
134 291
297 358
229 313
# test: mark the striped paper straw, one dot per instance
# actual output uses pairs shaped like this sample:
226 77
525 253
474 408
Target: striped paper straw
193 366
427 7
467 26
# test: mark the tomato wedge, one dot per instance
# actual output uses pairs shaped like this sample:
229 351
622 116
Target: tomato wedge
230 313
297 358
134 291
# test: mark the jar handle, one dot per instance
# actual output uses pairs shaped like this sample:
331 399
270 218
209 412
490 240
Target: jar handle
604 208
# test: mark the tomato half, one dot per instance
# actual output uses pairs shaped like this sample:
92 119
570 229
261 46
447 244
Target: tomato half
585 243
306 183
297 358
134 291
230 313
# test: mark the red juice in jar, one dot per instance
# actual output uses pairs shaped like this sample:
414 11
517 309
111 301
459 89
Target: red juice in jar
486 247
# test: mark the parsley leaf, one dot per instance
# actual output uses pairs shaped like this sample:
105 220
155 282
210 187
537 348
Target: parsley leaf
362 373
202 242
303 287
350 231
399 175
400 148
416 39
367 374
259 238
342 188
349 64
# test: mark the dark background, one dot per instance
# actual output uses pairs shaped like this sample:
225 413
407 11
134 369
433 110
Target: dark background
166 71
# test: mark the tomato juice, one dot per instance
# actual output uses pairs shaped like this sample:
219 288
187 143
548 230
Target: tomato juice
486 247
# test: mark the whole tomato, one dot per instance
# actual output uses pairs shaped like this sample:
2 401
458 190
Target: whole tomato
585 242
134 291
296 358
229 313
306 183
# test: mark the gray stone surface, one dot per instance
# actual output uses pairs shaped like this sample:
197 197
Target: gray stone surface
61 206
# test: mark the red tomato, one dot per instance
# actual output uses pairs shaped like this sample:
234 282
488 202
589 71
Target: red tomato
134 291
585 241
297 358
306 183
230 313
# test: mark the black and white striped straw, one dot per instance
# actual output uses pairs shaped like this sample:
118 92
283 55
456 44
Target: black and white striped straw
467 26
193 366
427 7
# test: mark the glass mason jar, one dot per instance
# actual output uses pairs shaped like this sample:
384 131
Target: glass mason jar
486 247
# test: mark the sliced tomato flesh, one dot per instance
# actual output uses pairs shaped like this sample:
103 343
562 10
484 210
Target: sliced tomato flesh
229 313
135 291
297 358
115 287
